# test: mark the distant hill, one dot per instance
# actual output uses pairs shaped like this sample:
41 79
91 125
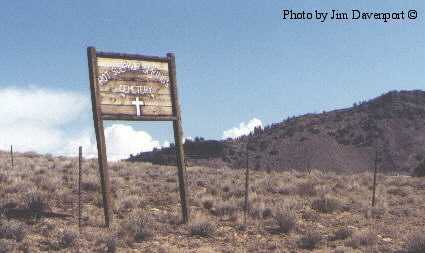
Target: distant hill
345 139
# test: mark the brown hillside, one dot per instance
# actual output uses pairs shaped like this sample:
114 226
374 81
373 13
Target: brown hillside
341 139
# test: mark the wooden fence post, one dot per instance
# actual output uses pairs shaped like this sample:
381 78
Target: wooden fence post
11 156
246 185
80 161
374 176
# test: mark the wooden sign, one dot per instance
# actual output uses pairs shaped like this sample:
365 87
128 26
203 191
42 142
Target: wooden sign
130 87
134 87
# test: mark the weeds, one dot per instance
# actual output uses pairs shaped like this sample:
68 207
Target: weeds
416 243
36 201
362 239
136 229
208 204
108 243
225 208
202 228
12 230
309 240
342 233
6 246
68 238
326 204
280 202
285 221
90 184
306 189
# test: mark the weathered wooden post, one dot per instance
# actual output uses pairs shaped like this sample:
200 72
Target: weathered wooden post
11 156
178 138
80 161
100 135
374 176
246 206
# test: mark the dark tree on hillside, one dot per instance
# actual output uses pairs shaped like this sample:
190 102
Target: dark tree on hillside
257 130
198 139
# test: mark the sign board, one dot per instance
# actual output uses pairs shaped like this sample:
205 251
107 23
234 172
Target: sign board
134 87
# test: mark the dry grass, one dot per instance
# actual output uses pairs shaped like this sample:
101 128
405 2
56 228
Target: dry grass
10 229
289 211
416 243
286 221
203 228
309 240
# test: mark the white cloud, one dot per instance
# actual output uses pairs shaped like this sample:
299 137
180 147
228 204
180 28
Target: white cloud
29 136
38 120
166 144
123 140
243 129
85 139
30 118
187 138
45 107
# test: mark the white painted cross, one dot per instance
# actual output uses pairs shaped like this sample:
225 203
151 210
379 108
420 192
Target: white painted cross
137 103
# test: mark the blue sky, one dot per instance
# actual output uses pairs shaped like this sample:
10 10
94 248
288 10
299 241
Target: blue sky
236 60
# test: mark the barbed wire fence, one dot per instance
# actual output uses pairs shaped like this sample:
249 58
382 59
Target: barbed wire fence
380 152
